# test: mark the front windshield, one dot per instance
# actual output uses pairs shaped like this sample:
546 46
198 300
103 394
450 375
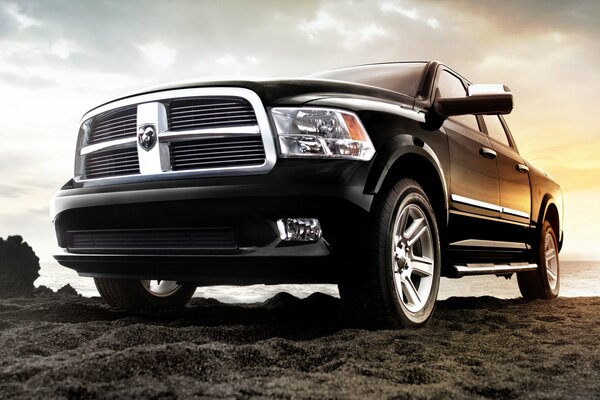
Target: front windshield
400 77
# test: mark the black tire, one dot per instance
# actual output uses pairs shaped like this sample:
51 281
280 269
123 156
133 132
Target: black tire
543 283
134 294
376 293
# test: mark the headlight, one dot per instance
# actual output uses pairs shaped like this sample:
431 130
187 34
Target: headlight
321 132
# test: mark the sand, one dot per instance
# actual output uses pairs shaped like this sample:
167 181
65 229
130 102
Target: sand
73 347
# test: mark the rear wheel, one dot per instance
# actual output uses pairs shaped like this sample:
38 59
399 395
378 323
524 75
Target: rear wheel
398 285
543 283
137 294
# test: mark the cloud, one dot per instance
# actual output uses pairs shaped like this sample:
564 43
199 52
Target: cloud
159 54
526 17
234 65
23 20
10 191
410 13
62 48
324 24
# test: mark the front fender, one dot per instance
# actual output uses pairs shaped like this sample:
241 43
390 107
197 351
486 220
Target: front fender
393 150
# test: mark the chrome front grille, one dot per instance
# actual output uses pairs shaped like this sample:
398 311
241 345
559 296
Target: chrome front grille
114 124
112 163
201 131
216 153
210 112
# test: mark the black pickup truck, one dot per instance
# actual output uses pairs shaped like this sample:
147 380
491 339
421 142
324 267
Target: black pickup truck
380 178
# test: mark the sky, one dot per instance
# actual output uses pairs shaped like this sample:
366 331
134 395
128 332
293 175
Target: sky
60 58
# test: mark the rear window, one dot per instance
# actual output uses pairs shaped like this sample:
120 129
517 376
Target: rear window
400 77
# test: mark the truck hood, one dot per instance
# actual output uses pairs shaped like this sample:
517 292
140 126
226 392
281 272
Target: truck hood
287 91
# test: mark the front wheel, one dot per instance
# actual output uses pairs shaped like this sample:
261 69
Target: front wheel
135 294
399 284
543 283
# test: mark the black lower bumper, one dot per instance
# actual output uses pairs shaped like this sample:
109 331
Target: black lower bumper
205 270
89 220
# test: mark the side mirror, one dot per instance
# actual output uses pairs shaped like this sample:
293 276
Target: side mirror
481 99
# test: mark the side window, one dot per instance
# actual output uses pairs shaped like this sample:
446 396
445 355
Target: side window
495 129
449 86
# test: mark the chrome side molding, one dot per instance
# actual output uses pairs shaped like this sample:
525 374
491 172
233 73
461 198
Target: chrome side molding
491 269
488 206
491 243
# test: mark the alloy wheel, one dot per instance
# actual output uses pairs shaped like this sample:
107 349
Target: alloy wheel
412 258
160 288
550 256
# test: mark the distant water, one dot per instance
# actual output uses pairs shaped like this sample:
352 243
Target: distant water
577 279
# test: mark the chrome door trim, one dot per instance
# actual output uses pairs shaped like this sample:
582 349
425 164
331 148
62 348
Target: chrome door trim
517 213
476 203
496 219
491 243
488 206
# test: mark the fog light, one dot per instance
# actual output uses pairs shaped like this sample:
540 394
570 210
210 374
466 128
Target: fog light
299 229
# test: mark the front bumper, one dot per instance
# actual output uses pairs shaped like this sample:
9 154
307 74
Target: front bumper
249 207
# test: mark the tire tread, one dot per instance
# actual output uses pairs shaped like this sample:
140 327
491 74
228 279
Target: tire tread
130 294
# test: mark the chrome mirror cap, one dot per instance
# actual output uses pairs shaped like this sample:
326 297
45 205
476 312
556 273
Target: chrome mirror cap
484 89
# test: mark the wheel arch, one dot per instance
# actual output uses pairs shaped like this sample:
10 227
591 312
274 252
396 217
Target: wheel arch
549 211
416 160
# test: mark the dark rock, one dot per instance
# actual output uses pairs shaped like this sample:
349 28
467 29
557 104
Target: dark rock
281 299
43 291
19 268
67 291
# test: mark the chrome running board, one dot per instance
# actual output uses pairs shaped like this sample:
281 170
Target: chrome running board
491 269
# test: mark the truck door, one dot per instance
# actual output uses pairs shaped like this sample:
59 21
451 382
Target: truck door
474 189
513 173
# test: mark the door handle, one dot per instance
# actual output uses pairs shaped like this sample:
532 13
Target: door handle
487 153
522 168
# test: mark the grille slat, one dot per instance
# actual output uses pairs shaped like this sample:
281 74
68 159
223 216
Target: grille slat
117 162
193 239
212 119
220 155
123 135
202 112
129 153
112 168
228 103
110 124
198 114
115 115
195 164
212 144
208 110
108 133
211 153
114 124
110 161
189 125
219 150
216 159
